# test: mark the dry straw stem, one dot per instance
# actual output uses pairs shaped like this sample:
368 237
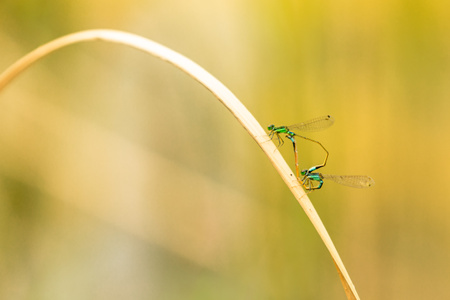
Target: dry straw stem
221 92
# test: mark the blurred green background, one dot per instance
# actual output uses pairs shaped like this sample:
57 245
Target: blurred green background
123 178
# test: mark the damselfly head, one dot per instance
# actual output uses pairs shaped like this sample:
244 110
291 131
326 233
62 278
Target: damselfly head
271 127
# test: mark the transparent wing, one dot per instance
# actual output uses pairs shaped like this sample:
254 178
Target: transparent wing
314 124
356 181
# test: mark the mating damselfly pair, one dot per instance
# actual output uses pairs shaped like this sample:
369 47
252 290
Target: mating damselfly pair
310 179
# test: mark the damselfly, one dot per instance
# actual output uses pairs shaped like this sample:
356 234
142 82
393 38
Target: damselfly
316 124
313 180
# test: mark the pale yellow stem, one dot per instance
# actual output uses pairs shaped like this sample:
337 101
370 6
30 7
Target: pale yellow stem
221 92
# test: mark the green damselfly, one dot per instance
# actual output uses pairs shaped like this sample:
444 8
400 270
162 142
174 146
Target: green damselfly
312 180
312 125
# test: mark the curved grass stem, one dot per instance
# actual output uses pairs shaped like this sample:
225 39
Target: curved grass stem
221 92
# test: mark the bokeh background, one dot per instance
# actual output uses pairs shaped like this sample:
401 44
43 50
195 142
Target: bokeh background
123 178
